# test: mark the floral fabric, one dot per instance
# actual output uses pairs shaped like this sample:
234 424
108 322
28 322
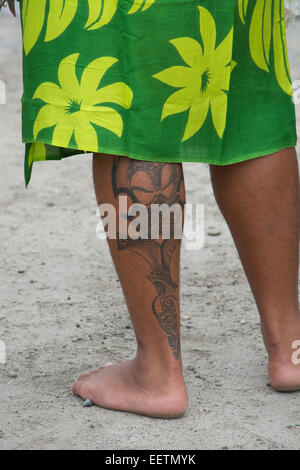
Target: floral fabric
159 80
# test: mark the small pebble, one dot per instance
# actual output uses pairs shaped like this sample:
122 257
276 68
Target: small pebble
213 231
50 204
88 403
21 271
12 374
75 340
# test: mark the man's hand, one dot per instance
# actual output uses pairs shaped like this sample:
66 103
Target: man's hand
11 4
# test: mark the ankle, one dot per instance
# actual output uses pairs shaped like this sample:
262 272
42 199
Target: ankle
159 357
279 332
151 369
280 353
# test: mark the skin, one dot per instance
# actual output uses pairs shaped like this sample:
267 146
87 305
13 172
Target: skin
259 199
152 383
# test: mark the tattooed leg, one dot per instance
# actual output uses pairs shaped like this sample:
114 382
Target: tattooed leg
152 383
163 185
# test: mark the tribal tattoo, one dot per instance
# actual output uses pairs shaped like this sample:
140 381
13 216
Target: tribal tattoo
164 184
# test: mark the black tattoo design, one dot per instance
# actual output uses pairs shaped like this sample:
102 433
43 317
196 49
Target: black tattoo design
164 186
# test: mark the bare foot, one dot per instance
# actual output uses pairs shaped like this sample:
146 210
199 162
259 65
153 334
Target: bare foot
284 376
284 359
125 387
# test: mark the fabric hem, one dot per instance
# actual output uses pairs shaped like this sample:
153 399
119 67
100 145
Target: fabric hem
166 160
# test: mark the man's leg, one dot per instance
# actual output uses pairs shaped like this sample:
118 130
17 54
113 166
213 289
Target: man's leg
152 383
259 199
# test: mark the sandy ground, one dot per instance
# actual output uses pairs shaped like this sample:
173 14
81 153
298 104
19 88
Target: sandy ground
62 313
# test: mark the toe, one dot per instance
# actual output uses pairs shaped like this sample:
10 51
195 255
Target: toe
96 371
92 372
108 364
86 376
75 388
81 389
82 377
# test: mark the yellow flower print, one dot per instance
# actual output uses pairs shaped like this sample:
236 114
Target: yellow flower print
140 4
267 21
243 5
73 107
37 152
205 80
61 14
281 61
100 13
33 16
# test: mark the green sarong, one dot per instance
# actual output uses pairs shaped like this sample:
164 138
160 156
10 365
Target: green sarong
159 80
